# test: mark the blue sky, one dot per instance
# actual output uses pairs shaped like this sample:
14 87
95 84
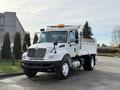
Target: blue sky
103 15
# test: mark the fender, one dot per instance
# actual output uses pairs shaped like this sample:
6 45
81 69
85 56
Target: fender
69 59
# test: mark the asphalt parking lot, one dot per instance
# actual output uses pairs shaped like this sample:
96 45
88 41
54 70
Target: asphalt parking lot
106 76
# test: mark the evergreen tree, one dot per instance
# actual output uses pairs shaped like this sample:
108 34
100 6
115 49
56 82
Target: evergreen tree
87 33
35 39
27 39
6 48
24 47
17 46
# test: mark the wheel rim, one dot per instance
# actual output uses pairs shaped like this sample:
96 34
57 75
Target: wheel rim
65 69
92 63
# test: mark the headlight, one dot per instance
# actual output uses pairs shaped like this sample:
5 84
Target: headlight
24 56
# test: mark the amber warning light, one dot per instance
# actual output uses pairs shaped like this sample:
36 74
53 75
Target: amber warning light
61 25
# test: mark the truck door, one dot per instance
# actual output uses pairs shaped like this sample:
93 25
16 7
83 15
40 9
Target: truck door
71 44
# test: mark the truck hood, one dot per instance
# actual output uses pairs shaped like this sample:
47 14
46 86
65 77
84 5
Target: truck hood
44 45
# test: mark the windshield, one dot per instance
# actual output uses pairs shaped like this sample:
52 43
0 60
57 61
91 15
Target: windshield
59 36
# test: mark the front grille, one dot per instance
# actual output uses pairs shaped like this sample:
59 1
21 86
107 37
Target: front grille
31 52
40 53
36 53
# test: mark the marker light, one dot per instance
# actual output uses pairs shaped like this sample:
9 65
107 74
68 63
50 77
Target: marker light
61 25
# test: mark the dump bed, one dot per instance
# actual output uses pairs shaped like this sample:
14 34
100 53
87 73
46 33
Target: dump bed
87 46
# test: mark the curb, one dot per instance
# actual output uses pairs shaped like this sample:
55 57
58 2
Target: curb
11 75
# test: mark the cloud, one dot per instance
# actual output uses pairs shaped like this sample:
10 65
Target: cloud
34 14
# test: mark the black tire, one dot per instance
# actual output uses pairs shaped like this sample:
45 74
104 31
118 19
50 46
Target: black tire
61 72
89 63
29 73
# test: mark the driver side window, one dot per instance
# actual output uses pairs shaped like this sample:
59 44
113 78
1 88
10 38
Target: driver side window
72 37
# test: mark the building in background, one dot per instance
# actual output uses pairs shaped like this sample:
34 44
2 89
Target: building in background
10 23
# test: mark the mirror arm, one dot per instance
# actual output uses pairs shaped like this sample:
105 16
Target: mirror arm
53 49
54 43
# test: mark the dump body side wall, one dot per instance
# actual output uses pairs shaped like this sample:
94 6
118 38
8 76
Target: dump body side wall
87 48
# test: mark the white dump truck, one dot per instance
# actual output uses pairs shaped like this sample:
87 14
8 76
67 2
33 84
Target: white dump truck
60 49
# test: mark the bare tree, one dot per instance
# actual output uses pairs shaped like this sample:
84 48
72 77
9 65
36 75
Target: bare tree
119 38
116 36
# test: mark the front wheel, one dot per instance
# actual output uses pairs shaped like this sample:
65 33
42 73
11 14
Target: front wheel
64 70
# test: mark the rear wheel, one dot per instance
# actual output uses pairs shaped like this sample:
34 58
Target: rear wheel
29 73
89 63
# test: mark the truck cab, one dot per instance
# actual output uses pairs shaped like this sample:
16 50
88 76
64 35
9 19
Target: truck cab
59 49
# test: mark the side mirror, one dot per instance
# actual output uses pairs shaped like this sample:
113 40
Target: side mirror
76 41
76 35
55 43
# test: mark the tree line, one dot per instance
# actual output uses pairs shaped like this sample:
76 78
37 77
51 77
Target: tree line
7 52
